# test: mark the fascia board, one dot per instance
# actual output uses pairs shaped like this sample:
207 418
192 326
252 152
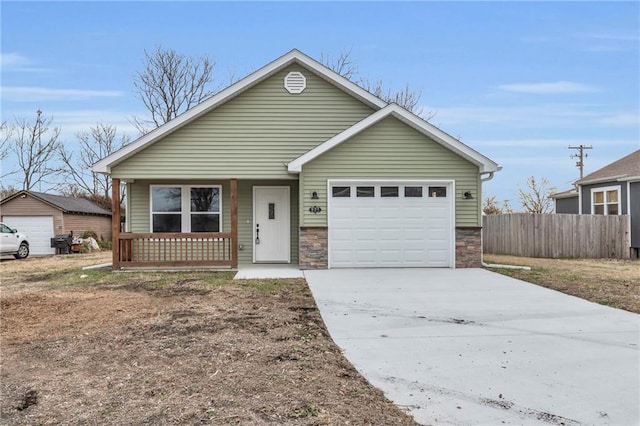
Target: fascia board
629 179
563 195
104 165
602 180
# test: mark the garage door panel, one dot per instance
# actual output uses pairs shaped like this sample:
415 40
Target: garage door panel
39 231
390 231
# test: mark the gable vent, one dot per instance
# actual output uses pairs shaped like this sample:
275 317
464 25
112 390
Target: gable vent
295 82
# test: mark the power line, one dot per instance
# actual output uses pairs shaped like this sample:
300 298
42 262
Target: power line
581 155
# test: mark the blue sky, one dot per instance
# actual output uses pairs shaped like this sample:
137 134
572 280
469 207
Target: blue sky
516 81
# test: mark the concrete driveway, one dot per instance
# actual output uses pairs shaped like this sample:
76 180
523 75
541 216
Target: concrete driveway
469 346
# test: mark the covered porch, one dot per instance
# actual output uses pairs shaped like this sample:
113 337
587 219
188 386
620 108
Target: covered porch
174 249
213 223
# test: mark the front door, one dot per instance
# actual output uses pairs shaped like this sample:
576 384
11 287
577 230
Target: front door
271 224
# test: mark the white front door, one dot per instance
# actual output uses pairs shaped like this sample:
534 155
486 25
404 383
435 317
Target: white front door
271 224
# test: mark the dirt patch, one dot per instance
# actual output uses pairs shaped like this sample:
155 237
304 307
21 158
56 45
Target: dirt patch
610 282
173 348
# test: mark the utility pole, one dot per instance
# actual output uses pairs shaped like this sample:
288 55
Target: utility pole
580 156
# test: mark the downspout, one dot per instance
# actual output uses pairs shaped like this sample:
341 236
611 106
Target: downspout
482 180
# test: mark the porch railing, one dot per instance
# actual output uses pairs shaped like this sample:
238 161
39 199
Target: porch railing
176 249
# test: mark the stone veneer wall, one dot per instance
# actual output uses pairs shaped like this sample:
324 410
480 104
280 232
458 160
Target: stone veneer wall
314 252
468 247
314 247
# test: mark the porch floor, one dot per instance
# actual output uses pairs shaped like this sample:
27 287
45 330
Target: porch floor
254 271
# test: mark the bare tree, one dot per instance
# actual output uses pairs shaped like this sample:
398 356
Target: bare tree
491 206
35 146
342 64
5 134
535 197
97 143
7 192
170 84
407 97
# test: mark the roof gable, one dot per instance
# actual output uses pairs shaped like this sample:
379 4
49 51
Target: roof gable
627 167
294 56
484 164
65 204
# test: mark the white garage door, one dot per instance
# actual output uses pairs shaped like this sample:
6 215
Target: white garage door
39 230
390 224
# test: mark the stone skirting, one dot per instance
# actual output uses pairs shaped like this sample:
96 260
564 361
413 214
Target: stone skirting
313 248
468 247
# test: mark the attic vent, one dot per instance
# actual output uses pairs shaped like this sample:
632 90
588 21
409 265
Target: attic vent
295 82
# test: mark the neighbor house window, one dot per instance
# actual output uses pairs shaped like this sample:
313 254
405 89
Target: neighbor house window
605 201
185 208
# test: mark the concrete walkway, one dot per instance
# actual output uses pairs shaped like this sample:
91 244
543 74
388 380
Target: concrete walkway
471 347
264 270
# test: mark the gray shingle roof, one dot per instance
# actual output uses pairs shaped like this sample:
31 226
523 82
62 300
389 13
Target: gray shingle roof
67 204
625 167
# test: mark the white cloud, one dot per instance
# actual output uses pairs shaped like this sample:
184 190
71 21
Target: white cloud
18 63
534 115
611 36
72 121
621 120
38 94
548 88
12 60
551 143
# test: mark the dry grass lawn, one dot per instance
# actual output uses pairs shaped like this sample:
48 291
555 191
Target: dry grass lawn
609 282
95 347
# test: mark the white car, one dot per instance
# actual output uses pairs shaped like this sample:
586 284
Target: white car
13 242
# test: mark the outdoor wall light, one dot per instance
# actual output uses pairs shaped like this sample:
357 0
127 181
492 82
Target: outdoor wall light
314 195
467 195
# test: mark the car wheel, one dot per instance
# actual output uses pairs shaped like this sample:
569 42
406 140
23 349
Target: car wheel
23 251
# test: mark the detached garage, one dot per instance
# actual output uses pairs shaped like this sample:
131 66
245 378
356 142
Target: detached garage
42 216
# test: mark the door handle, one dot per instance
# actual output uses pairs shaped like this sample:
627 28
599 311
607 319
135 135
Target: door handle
257 233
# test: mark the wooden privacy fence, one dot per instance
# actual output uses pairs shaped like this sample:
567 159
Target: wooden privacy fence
557 235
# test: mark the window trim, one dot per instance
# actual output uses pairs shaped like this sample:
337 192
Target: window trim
604 190
185 213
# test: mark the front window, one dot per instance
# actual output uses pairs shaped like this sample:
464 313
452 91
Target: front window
606 201
185 209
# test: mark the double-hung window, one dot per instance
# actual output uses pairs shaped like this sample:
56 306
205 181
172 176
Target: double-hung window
605 201
183 208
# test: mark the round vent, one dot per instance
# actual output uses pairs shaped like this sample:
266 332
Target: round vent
295 82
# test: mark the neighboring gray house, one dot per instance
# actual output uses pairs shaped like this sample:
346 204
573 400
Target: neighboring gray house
611 190
296 164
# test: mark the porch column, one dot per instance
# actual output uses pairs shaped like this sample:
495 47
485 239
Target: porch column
234 223
115 222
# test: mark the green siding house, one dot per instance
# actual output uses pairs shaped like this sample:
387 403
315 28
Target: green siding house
296 164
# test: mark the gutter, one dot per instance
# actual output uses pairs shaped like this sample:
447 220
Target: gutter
488 178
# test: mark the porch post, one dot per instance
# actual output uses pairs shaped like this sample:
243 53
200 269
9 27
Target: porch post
115 222
234 223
